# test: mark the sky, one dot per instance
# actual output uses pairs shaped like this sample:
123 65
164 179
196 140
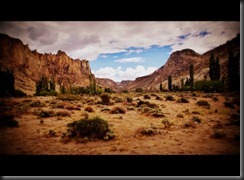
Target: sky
121 50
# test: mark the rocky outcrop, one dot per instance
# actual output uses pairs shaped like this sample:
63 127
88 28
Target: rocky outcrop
28 66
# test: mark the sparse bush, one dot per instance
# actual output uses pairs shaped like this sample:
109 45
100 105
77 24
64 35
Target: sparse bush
215 99
229 105
118 110
71 107
203 103
146 96
182 100
52 133
189 124
118 100
45 114
146 131
36 104
63 113
180 115
169 98
196 119
89 109
158 98
139 90
195 112
167 124
129 99
146 103
95 128
105 99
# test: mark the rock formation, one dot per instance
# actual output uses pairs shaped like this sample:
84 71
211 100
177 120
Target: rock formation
28 66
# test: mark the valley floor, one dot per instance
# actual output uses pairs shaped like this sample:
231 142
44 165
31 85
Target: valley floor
177 129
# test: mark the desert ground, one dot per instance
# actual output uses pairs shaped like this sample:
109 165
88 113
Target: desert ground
160 126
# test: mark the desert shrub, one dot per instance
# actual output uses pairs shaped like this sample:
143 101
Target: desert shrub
146 131
19 93
105 99
195 112
124 91
189 124
218 133
71 107
209 86
105 109
118 110
94 128
118 100
146 103
167 124
186 111
215 99
182 100
146 96
89 109
51 133
203 103
130 108
180 115
229 105
139 90
158 98
7 120
63 113
169 98
129 99
36 104
196 119
47 93
157 113
45 114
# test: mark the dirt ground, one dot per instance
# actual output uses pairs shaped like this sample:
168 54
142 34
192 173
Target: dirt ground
179 129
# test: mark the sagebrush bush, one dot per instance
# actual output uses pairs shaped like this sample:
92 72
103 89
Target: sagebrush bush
63 113
94 128
146 96
129 99
169 98
182 100
45 114
203 103
118 110
105 99
146 103
89 109
68 97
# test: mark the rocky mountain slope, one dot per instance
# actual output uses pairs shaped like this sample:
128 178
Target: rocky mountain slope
28 66
178 66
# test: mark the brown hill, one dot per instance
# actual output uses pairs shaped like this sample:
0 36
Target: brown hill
28 66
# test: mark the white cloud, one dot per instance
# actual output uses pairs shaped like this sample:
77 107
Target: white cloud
130 60
86 40
137 51
117 74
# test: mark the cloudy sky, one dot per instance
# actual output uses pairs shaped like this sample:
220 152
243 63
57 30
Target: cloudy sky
122 50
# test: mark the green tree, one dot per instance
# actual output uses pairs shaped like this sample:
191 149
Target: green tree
191 76
170 83
217 70
52 84
211 67
182 83
161 87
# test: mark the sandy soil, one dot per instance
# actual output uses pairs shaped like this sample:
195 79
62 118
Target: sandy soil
33 137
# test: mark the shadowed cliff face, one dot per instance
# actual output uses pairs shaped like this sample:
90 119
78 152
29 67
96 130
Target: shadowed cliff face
28 66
